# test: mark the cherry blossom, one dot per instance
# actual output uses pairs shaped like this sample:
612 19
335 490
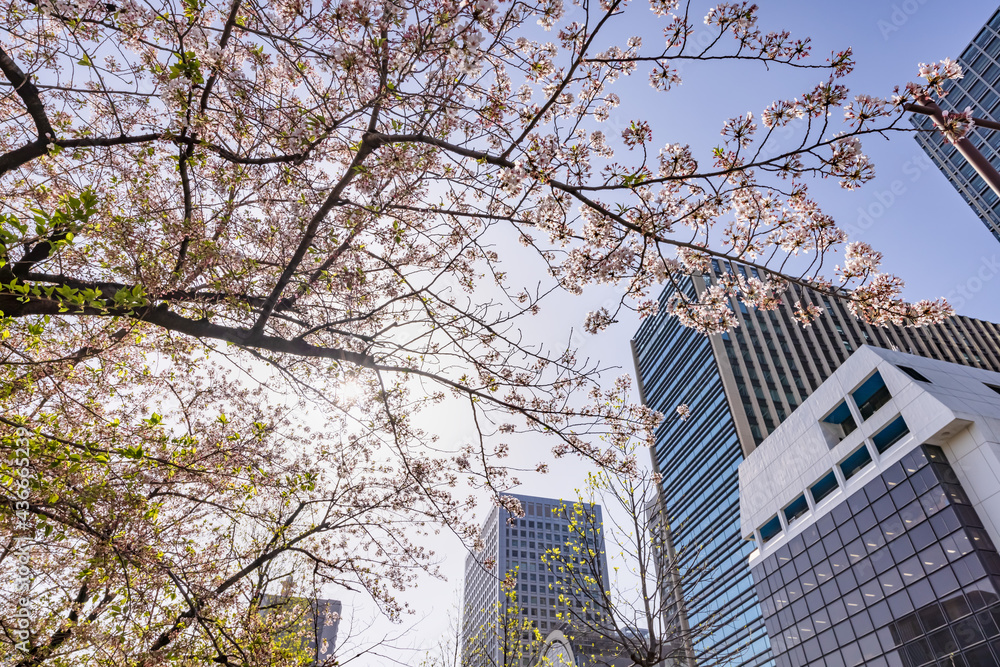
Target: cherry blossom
957 124
251 254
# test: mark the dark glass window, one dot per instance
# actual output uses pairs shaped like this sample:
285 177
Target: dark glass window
942 643
892 433
855 462
912 514
839 423
932 558
956 607
944 582
797 508
901 548
871 395
883 508
892 527
919 652
875 489
824 487
894 476
902 494
988 622
770 529
913 373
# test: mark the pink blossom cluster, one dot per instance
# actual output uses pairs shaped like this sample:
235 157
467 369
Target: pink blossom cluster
740 130
940 72
598 321
781 113
849 163
711 314
957 124
866 108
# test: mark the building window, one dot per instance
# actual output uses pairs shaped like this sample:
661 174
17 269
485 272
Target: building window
993 387
856 462
797 508
890 434
824 487
770 529
871 395
838 424
913 374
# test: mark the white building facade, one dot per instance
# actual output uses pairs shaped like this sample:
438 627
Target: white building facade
875 511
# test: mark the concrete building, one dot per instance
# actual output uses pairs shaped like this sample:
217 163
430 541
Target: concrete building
516 547
978 89
740 385
875 511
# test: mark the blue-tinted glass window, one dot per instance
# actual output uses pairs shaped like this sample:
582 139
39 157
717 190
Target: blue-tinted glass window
855 462
890 435
840 422
871 395
824 487
770 529
798 507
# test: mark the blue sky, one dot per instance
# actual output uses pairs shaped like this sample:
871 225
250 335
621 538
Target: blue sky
929 236
910 212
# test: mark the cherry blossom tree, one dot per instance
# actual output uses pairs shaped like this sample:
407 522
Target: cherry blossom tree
226 222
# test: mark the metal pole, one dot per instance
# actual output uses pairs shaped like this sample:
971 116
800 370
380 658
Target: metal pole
964 146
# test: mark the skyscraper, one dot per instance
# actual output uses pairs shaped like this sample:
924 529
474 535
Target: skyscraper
516 548
978 89
876 512
740 385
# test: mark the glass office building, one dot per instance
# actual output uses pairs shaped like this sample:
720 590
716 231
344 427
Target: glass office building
698 460
740 386
978 89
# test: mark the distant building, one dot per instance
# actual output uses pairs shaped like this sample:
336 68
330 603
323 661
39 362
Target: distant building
875 510
978 89
312 623
740 385
516 547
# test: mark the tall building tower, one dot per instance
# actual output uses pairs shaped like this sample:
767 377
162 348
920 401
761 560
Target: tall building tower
979 89
876 512
515 550
740 385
